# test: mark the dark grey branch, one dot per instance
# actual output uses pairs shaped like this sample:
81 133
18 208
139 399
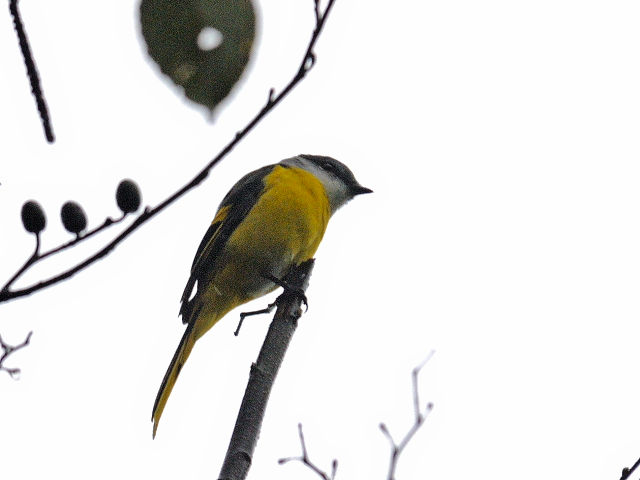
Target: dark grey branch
262 376
307 63
32 71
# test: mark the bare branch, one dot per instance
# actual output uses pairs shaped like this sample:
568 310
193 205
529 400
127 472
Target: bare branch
262 376
420 416
32 71
396 448
7 350
306 461
273 100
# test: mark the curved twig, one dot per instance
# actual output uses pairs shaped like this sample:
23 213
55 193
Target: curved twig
307 63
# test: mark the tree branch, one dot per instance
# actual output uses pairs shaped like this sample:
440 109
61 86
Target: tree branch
262 376
32 71
307 63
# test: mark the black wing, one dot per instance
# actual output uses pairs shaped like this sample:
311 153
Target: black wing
238 202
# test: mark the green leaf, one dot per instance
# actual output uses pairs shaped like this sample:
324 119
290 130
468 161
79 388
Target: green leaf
181 36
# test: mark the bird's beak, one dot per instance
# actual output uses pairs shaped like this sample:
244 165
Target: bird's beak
359 190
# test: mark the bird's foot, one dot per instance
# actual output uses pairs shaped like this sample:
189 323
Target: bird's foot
289 291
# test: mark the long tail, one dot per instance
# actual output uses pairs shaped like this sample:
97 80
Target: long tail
177 362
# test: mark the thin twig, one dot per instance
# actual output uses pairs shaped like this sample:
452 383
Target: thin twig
305 460
420 416
37 256
32 71
626 472
317 10
396 449
308 61
414 384
8 350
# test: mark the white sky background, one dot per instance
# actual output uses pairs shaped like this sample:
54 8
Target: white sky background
501 139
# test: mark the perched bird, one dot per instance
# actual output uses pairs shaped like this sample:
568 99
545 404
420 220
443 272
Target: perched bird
270 221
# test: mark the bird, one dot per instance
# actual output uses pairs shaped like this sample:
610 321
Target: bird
271 220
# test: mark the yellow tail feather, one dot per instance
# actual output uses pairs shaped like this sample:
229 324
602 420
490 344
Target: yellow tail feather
179 359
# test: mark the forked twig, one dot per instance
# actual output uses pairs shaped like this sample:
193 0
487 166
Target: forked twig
420 416
8 350
304 458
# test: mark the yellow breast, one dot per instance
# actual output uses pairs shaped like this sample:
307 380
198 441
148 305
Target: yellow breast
284 228
288 221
